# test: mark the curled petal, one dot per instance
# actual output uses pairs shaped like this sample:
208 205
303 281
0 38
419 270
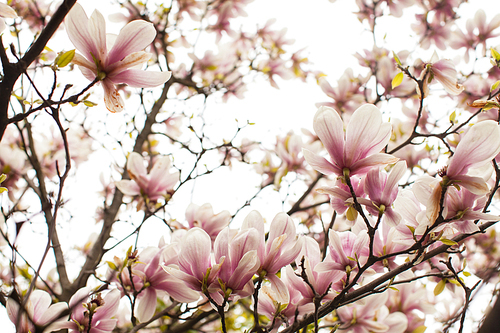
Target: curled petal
138 78
320 164
330 129
134 37
112 98
365 133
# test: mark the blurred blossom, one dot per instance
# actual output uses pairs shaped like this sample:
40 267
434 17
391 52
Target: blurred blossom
203 217
347 95
7 12
150 186
39 311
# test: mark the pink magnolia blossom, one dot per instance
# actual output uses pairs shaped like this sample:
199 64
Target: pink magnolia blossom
281 246
282 306
228 277
444 72
477 32
158 183
371 315
356 151
152 281
382 190
39 311
91 313
411 299
324 281
346 96
6 11
116 65
240 264
347 250
203 217
433 31
462 208
194 266
479 146
340 196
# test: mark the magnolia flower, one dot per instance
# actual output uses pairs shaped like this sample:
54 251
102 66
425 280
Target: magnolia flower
204 218
229 275
158 183
444 72
112 59
281 247
479 146
371 315
152 282
347 250
91 313
39 311
382 190
356 151
325 282
6 11
240 262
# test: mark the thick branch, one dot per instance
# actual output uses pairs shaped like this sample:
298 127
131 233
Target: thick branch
12 71
95 255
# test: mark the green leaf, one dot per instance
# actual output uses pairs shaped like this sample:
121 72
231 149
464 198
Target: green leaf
65 58
398 79
448 242
439 287
495 85
420 329
495 54
453 116
112 265
89 103
351 214
396 58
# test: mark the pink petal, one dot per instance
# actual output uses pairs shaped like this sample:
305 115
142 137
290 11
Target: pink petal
320 164
397 172
247 267
479 146
104 326
135 36
78 31
88 69
40 302
330 129
7 11
365 133
194 257
111 303
147 305
369 162
128 187
281 225
138 78
135 165
97 29
112 98
476 185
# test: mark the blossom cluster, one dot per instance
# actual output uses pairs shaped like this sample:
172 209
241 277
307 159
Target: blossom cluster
389 199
